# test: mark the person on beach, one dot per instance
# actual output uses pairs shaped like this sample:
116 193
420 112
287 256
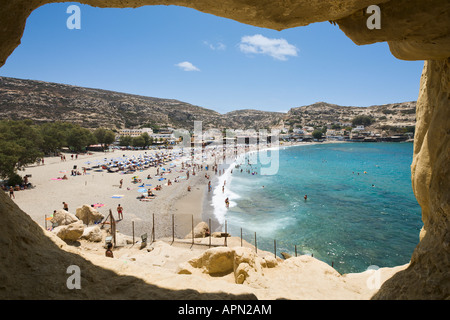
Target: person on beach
209 186
65 206
227 203
121 182
109 252
120 212
11 193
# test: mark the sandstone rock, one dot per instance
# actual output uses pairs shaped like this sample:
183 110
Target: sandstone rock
248 268
215 260
201 230
93 234
184 268
71 232
271 261
88 214
427 275
63 218
286 255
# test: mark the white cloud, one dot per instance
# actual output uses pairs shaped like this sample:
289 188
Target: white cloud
187 66
218 46
278 49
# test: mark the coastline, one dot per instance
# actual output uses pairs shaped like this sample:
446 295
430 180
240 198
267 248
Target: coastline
300 277
209 207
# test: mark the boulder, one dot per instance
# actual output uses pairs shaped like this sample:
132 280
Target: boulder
93 234
247 268
63 218
286 255
201 230
88 215
71 232
215 261
270 261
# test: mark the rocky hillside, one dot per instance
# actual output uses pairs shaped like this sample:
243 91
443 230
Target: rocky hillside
93 108
321 113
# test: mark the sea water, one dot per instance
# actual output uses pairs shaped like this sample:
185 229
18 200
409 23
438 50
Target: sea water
360 209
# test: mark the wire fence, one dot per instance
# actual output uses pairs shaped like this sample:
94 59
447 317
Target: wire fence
148 235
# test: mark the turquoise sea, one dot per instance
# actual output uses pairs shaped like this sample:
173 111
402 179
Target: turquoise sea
360 209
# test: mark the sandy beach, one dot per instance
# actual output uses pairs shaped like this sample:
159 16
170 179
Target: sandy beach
98 186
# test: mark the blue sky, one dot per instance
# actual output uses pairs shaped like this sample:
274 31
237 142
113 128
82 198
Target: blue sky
213 62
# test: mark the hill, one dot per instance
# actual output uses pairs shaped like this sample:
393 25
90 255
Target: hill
92 108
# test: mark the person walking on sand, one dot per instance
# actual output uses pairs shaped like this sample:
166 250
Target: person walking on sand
11 193
121 182
120 212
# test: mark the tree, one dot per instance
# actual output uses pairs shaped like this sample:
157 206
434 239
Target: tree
138 141
125 141
54 136
104 136
147 139
363 120
79 138
20 143
317 134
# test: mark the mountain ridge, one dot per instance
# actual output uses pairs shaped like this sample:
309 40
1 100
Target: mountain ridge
44 101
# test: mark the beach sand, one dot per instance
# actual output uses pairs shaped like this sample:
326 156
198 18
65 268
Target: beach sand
103 187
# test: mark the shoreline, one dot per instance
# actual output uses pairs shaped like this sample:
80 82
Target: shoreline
161 261
208 206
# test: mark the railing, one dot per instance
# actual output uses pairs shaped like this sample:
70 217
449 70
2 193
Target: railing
112 222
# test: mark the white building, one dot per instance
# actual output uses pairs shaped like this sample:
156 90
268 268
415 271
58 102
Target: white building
358 128
135 132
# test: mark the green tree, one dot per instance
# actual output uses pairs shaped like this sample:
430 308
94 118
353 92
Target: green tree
363 120
79 138
20 143
125 141
138 141
147 139
104 136
54 136
317 134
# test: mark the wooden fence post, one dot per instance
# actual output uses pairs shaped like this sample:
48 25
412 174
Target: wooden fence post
153 229
132 226
173 228
241 237
275 247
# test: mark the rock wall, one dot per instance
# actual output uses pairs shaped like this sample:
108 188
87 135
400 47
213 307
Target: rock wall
415 30
428 276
